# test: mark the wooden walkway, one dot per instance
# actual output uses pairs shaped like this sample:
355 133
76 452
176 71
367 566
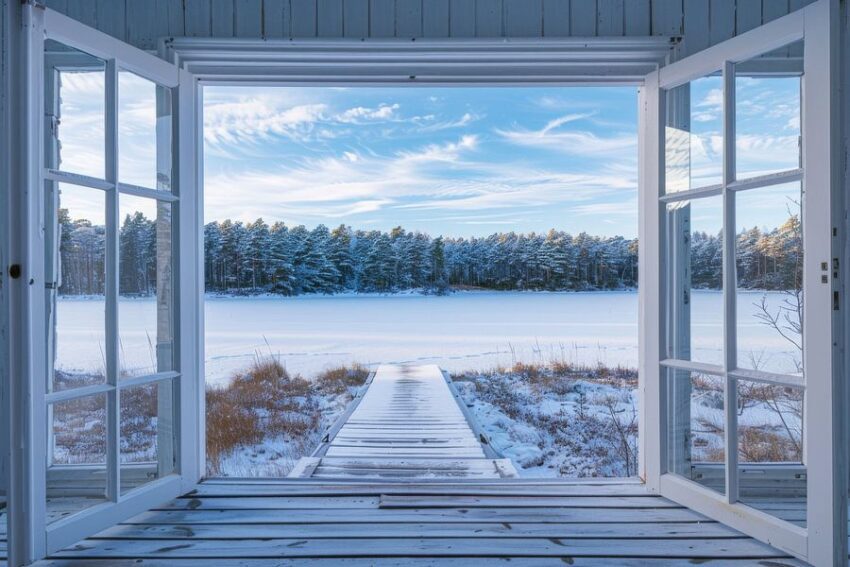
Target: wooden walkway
472 523
408 422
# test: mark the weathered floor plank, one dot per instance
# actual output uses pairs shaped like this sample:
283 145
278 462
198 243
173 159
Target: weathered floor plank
373 523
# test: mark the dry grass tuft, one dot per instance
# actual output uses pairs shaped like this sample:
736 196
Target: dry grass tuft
265 400
340 379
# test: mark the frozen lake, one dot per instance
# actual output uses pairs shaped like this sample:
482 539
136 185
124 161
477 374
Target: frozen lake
461 331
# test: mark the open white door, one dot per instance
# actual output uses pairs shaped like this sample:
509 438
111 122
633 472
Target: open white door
740 197
111 408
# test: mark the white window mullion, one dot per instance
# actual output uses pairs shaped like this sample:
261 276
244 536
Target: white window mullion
113 410
729 283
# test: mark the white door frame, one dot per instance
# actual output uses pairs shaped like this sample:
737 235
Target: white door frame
824 540
31 537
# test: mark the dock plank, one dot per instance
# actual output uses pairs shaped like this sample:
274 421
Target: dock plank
409 413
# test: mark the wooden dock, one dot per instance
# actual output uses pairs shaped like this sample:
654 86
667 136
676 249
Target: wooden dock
407 422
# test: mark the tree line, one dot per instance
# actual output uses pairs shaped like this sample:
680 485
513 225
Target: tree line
255 257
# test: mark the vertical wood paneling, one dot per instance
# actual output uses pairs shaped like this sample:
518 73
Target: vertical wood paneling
408 18
112 17
303 18
355 18
249 18
172 10
488 18
747 15
197 14
722 21
667 17
583 18
462 18
702 22
276 18
637 18
221 18
695 26
58 5
772 9
329 18
524 18
610 17
141 24
556 18
84 11
381 18
435 18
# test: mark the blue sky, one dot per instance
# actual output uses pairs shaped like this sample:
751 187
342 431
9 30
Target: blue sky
452 161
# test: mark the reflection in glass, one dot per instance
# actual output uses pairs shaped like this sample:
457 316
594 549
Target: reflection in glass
767 112
769 264
144 132
694 135
75 95
696 425
772 476
695 279
145 325
147 416
79 337
76 473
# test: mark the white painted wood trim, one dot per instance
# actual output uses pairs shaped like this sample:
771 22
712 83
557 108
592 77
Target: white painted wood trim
825 426
730 286
651 408
189 283
423 62
759 525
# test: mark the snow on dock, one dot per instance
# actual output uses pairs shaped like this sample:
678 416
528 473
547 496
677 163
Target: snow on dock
408 423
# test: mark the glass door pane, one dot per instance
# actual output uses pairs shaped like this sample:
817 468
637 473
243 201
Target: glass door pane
107 408
737 333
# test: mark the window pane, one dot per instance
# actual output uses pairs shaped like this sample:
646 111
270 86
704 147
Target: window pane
78 330
770 450
76 473
694 135
767 112
75 94
696 425
144 132
769 263
147 419
695 280
145 304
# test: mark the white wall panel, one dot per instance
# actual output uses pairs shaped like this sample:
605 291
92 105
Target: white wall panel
556 18
355 18
435 19
583 18
249 18
329 22
408 18
461 18
382 18
610 19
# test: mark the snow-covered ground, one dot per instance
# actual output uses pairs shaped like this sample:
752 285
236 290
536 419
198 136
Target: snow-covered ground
460 332
558 422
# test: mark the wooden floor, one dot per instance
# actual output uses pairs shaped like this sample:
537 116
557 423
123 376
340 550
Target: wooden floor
261 522
409 422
